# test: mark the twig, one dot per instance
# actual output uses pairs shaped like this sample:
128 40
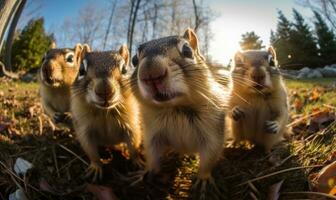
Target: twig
329 106
16 176
55 161
278 172
314 193
40 125
303 118
73 153
253 196
254 189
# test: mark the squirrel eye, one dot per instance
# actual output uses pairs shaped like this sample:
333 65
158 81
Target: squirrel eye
135 60
123 69
69 57
187 51
82 69
271 61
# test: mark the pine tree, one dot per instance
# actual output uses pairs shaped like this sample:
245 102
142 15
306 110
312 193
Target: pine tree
326 41
303 45
250 41
273 37
281 40
30 45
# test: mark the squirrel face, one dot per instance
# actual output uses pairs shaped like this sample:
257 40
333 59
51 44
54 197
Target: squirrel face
255 71
164 68
101 77
60 66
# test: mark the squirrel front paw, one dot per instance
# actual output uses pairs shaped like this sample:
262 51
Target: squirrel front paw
237 113
272 127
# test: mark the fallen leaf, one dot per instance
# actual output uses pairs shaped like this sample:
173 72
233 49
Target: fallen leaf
326 179
101 192
21 166
274 191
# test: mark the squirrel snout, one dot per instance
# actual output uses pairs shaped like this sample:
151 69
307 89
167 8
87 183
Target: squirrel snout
154 77
104 90
258 77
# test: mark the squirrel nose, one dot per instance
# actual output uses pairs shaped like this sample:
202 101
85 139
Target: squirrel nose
155 77
104 90
258 77
47 70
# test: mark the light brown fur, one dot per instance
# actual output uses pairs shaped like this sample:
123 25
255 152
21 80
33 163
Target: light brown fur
116 123
191 123
259 106
56 76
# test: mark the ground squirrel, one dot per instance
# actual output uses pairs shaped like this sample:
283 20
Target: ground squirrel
57 73
258 100
103 107
181 103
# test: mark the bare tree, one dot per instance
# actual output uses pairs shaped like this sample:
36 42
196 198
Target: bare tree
11 33
131 24
108 29
198 19
7 10
86 27
326 7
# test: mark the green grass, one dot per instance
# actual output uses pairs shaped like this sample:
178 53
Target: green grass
23 139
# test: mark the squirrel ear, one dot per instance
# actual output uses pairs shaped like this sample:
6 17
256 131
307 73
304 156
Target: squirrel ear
78 51
52 45
191 37
238 58
271 51
85 49
123 51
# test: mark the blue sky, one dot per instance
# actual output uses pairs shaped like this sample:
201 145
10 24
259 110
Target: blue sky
234 17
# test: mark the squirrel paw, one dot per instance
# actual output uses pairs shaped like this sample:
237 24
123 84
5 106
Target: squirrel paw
62 117
203 185
95 170
237 113
272 127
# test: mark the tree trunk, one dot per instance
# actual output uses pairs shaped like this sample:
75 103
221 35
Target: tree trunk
114 4
130 22
197 16
133 25
7 9
11 33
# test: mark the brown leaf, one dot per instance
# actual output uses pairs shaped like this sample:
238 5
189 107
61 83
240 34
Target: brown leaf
326 179
101 192
273 191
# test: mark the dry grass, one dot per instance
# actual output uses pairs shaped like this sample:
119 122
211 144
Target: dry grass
59 163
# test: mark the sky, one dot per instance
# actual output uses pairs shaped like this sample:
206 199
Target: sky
232 19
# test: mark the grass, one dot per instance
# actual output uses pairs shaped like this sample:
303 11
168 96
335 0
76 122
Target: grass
59 163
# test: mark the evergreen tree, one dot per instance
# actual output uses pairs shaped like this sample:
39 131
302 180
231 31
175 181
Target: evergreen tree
326 41
303 46
273 37
30 45
250 41
281 40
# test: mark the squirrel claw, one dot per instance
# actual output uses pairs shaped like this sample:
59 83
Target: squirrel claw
62 117
203 183
237 113
94 170
272 127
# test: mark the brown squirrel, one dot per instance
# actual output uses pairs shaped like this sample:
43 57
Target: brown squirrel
57 73
181 104
258 100
103 107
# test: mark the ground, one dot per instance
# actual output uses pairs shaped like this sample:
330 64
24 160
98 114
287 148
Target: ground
59 163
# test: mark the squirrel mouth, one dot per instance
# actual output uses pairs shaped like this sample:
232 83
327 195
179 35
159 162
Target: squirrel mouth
159 96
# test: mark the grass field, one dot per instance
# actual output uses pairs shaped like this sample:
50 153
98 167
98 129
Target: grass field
59 163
